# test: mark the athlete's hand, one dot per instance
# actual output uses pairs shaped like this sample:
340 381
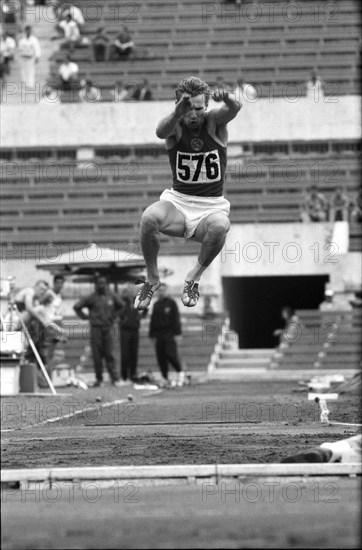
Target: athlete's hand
220 95
182 105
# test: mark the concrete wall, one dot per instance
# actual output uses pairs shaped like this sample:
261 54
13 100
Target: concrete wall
252 250
57 125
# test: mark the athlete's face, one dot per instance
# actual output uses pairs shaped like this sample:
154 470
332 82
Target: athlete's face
195 113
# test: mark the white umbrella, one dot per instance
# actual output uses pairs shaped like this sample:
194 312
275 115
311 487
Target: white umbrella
117 265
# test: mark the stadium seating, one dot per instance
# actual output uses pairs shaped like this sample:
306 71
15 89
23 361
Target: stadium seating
50 199
269 44
273 45
325 340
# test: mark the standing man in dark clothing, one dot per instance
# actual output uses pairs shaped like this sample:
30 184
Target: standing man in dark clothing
104 307
165 328
130 320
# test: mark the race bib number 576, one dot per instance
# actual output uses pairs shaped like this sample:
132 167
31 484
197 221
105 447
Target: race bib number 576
198 167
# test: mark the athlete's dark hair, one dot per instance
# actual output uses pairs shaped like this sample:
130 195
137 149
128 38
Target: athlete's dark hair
193 86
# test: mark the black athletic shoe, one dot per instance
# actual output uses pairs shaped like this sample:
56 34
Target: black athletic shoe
190 294
144 296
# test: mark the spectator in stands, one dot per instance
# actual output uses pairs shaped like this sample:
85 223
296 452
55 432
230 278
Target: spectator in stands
244 91
143 92
121 92
7 50
50 95
100 44
315 87
75 12
339 205
71 32
103 308
356 300
330 303
3 64
29 54
165 330
356 213
130 322
88 92
122 46
314 207
68 72
9 10
290 331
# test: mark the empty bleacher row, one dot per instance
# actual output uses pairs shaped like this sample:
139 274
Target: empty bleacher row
324 340
273 45
64 201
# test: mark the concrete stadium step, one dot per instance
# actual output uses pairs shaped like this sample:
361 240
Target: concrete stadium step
244 359
337 366
246 353
242 363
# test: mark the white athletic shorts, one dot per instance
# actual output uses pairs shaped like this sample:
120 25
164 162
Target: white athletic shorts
194 208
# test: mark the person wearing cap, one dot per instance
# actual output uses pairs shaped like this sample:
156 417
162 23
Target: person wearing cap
29 54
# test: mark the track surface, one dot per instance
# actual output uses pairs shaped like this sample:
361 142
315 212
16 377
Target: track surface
250 422
253 513
243 423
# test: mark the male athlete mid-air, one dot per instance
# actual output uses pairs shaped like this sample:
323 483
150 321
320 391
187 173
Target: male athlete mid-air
195 207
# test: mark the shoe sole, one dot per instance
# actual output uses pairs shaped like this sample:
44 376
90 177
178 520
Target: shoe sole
149 300
188 305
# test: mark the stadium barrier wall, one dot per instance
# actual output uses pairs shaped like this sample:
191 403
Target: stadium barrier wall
91 124
264 249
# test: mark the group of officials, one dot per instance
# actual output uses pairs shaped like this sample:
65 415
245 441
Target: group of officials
40 308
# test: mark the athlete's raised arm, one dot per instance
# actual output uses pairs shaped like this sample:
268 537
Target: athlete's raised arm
228 111
166 126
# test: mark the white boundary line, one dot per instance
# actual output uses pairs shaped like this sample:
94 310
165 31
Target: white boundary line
65 416
178 472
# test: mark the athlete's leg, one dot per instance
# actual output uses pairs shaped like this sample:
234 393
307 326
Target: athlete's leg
211 232
160 217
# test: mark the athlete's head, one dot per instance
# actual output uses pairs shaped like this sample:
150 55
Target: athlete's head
199 93
40 288
193 86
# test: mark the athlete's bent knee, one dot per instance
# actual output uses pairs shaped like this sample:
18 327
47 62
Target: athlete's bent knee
151 218
219 227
